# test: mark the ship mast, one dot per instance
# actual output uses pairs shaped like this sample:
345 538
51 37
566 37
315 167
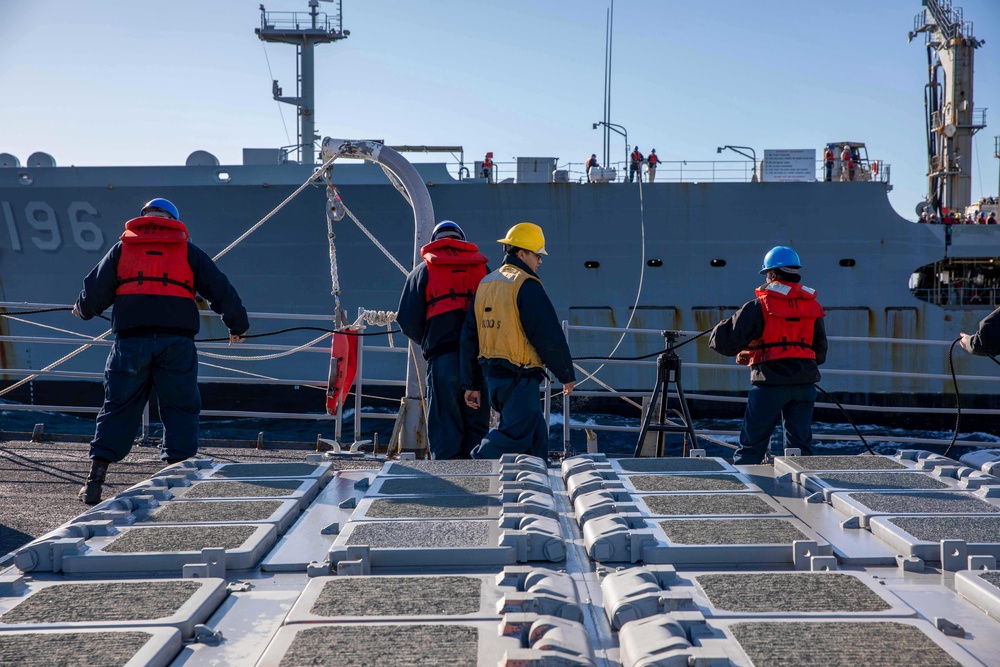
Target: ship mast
304 31
951 119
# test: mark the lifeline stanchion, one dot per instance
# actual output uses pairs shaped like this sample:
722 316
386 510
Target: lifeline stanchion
668 369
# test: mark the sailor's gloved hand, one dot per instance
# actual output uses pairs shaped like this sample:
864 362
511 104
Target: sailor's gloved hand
76 311
965 340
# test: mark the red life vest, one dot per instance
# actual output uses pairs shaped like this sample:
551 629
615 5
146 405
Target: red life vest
790 314
828 155
653 159
454 270
487 163
154 258
636 156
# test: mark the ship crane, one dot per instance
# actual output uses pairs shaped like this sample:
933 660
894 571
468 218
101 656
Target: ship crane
950 116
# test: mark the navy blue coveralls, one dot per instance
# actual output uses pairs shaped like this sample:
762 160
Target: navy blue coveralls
453 428
154 349
512 392
785 387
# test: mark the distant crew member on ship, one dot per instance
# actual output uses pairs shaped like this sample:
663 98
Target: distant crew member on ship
432 308
986 341
592 164
651 163
828 163
487 172
781 336
634 162
846 164
151 277
510 336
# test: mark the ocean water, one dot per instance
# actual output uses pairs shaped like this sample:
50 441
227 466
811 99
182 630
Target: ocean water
609 442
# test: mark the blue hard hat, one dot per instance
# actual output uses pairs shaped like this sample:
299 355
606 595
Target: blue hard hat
447 229
164 205
781 257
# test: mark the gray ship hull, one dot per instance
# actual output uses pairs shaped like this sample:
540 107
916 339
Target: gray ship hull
708 238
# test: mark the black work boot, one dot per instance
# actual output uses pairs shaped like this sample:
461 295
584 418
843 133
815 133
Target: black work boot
90 493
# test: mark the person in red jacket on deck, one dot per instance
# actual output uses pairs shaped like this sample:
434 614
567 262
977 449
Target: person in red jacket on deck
151 277
635 161
436 296
651 163
781 336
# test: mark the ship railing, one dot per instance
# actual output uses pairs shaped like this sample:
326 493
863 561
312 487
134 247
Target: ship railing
364 383
675 171
295 21
959 295
568 425
318 383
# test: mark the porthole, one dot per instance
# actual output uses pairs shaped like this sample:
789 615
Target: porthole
223 176
655 262
718 263
592 264
24 178
847 262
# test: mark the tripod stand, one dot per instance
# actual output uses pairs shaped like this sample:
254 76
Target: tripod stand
668 369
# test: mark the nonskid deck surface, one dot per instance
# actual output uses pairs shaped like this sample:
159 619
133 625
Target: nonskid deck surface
322 559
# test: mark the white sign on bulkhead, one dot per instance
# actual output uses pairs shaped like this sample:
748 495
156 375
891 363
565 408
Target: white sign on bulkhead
792 165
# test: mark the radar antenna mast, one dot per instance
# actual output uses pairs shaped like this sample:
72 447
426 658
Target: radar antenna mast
304 31
951 119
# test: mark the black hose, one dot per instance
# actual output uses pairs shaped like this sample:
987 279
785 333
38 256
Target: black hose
958 403
646 356
346 332
849 418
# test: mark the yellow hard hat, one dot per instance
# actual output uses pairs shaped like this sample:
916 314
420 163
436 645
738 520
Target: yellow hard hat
526 235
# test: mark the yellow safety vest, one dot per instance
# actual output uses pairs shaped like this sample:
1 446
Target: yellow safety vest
501 335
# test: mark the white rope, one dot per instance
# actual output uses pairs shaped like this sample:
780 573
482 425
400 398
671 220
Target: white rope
375 241
607 386
280 206
47 326
375 318
264 357
331 199
396 183
638 294
225 250
256 375
69 356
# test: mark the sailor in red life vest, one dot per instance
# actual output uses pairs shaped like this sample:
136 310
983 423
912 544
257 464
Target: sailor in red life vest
635 160
846 164
437 294
591 164
151 277
651 163
488 167
781 336
828 163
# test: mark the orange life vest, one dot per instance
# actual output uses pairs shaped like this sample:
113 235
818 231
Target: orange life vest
790 314
653 159
454 270
828 155
154 258
636 156
487 163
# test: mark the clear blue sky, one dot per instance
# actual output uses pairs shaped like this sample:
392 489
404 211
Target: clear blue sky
122 82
